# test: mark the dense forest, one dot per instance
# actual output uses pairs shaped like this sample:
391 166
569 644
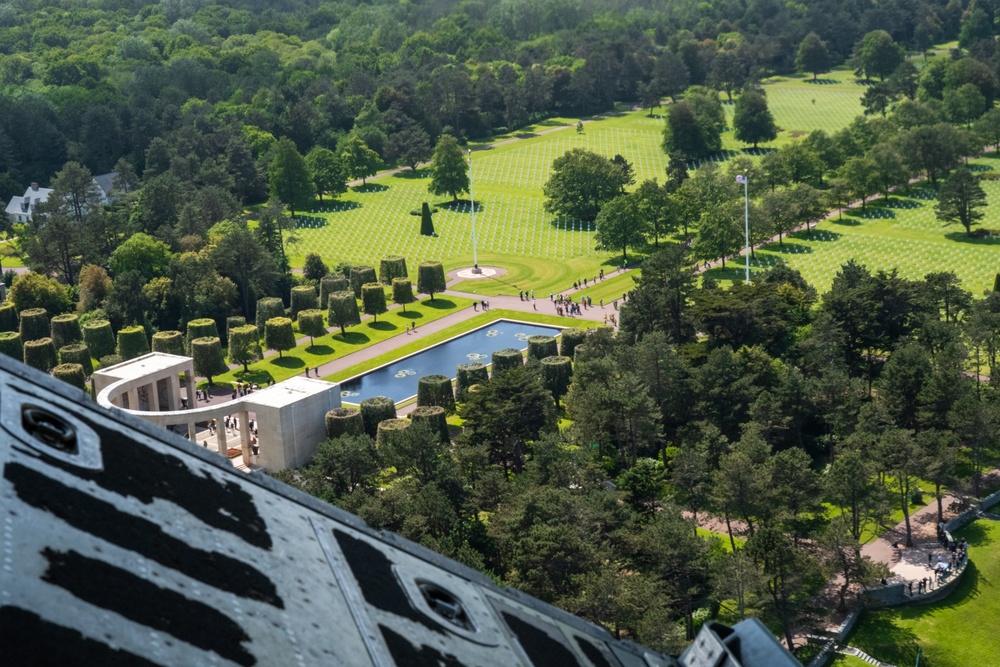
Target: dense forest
797 420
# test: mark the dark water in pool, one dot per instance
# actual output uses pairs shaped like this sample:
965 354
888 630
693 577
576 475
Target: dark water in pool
399 379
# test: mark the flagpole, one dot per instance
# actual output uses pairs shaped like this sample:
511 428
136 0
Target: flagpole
746 220
472 200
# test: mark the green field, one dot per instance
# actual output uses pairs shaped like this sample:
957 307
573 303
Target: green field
514 232
956 632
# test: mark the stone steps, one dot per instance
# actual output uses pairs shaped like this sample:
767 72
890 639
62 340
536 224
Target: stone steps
858 653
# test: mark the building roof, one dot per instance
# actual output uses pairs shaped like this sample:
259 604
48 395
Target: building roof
106 181
289 391
26 204
147 364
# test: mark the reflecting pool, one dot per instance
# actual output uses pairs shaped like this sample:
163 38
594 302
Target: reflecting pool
398 380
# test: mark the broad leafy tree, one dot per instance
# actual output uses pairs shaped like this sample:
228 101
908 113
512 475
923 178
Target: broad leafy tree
290 179
581 183
327 172
449 171
358 160
961 200
877 55
813 55
752 120
620 226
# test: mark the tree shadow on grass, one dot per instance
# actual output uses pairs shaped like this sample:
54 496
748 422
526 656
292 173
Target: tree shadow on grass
815 235
847 219
370 187
880 636
573 225
336 206
439 304
320 350
760 150
288 362
821 82
901 203
975 533
410 315
419 173
460 206
255 375
879 212
382 326
352 338
962 237
791 248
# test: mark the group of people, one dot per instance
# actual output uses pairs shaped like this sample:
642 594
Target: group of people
484 304
244 388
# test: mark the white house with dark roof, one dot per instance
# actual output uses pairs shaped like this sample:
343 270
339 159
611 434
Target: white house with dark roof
20 209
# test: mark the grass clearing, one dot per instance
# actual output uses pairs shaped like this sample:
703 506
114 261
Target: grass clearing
957 631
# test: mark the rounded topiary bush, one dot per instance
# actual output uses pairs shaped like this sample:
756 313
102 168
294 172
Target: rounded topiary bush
431 278
330 284
207 355
8 317
66 330
132 343
34 324
40 354
343 310
540 347
468 375
268 308
77 353
10 344
506 359
278 335
109 360
244 346
361 275
436 390
303 298
556 375
203 327
402 292
569 340
169 342
233 322
98 337
312 323
393 266
374 410
71 374
373 300
435 417
344 421
390 434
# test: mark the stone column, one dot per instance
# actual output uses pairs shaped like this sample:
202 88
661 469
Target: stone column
220 435
154 397
133 399
173 393
245 436
192 432
189 381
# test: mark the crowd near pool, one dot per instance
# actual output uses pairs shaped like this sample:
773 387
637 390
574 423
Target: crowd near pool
398 380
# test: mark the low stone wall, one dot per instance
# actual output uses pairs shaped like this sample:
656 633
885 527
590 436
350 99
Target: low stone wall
970 514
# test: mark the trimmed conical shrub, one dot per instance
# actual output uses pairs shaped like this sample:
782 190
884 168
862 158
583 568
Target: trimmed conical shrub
303 298
98 337
234 321
436 390
8 317
361 275
34 324
389 435
330 284
132 343
569 339
468 375
374 410
77 353
10 344
343 310
40 354
207 355
506 359
426 222
203 327
540 347
169 342
268 308
344 421
556 375
71 374
435 417
391 267
66 330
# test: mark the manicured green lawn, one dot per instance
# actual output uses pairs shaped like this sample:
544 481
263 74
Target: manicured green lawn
334 345
514 232
956 632
848 661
